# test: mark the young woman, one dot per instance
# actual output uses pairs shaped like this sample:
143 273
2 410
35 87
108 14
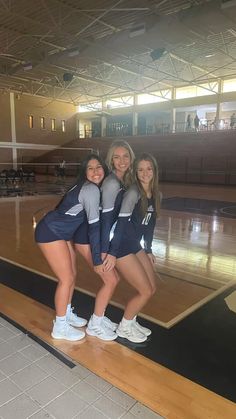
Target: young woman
54 234
120 158
137 218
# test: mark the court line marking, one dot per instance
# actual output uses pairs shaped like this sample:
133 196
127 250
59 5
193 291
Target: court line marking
166 325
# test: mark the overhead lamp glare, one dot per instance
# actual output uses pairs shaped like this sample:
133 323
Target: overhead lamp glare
73 52
137 31
27 66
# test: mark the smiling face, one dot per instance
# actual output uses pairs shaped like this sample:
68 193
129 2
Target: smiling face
121 161
94 171
145 172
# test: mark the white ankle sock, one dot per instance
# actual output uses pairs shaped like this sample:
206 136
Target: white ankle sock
126 323
60 320
97 320
68 309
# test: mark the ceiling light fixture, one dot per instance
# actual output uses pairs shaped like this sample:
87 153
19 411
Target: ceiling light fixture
137 30
73 52
157 53
27 66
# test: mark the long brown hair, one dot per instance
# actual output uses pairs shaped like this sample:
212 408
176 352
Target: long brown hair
127 180
154 186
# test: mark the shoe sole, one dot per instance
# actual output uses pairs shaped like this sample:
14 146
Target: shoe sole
91 333
76 324
121 335
69 339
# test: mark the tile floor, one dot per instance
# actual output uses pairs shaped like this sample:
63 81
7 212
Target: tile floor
35 384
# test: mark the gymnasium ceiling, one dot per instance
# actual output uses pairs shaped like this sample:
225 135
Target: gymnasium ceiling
85 50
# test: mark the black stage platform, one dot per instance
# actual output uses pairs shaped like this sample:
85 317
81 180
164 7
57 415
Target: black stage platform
201 347
200 206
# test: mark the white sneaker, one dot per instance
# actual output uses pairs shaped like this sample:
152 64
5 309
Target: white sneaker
100 331
66 332
131 333
108 323
142 329
75 320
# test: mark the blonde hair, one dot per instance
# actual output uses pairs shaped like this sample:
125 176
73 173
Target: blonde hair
154 186
109 159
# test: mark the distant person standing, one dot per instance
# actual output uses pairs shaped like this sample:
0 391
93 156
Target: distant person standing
232 120
196 123
214 124
189 122
62 168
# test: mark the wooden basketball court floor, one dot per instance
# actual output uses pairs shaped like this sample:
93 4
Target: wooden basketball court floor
196 261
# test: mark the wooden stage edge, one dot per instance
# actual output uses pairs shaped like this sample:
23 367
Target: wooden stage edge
160 389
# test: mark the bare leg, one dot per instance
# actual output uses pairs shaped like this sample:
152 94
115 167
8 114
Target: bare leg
85 251
74 268
110 280
58 257
147 265
133 271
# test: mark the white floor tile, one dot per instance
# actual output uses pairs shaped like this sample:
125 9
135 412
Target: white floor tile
86 392
98 383
2 376
66 406
29 376
140 411
19 408
41 414
49 363
109 408
14 363
6 333
120 397
6 349
34 352
8 391
67 376
91 413
46 391
19 342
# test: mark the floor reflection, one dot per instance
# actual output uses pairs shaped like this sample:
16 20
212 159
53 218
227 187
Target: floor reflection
197 248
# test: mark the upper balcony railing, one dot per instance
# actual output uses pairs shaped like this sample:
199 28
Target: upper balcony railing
163 128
